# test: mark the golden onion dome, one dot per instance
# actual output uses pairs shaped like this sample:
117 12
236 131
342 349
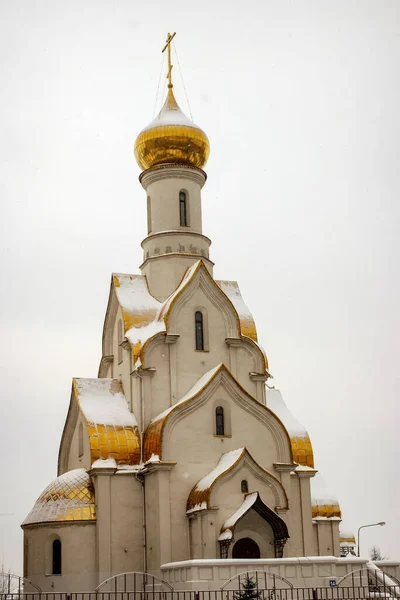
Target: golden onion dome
171 138
70 497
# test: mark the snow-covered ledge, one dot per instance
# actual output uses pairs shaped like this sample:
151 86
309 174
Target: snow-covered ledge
390 567
306 571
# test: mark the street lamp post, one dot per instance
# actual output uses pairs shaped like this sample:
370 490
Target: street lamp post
362 527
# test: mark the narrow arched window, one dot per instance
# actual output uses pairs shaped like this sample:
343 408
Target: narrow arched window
80 440
244 486
119 341
148 214
219 420
183 217
56 570
198 319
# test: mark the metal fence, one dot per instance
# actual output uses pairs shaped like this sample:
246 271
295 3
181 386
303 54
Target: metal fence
315 593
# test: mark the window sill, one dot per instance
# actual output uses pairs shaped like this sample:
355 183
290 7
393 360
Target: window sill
201 350
222 436
53 575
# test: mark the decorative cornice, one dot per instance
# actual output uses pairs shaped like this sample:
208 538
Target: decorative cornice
174 232
234 342
172 171
284 467
179 254
171 338
152 467
101 471
259 376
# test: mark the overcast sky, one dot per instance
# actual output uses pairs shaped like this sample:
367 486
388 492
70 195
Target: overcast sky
300 100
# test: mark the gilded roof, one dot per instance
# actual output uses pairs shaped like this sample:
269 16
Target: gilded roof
171 138
112 428
299 438
324 504
347 538
70 497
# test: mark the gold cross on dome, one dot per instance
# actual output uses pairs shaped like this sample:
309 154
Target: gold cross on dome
168 45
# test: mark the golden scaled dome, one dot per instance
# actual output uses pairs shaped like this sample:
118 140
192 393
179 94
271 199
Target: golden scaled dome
70 497
171 138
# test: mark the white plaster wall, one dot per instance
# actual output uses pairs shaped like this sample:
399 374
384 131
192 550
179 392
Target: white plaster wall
301 572
126 520
78 567
165 273
164 200
74 460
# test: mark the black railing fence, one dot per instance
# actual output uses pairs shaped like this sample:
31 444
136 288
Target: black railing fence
312 593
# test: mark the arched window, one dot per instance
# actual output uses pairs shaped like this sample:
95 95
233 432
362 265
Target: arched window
183 216
198 320
148 214
80 440
219 421
56 563
119 341
244 486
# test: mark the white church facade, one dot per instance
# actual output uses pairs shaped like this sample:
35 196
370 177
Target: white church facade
180 449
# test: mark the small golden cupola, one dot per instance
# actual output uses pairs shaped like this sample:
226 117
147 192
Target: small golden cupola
171 138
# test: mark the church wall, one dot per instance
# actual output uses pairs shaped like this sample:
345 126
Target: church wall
246 364
126 524
164 274
294 545
192 440
192 363
159 398
79 450
164 201
153 534
78 567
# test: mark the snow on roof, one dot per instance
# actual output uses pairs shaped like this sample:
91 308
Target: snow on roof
101 463
199 496
134 297
170 114
237 515
112 428
198 386
226 462
300 440
102 401
247 324
70 497
276 403
324 503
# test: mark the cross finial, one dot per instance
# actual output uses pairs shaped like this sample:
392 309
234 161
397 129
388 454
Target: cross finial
168 45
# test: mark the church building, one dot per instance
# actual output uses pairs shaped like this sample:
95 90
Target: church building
180 448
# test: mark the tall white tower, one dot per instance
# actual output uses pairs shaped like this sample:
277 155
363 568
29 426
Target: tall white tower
172 151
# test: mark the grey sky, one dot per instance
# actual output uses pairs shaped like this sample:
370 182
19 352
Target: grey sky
300 100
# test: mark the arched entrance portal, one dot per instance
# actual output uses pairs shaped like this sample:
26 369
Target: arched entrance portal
246 548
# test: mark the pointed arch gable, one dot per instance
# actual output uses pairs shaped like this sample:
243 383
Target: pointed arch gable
200 497
157 432
253 501
196 277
